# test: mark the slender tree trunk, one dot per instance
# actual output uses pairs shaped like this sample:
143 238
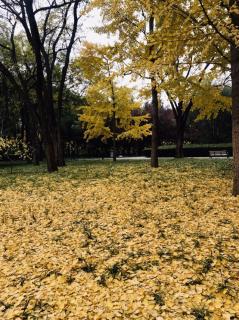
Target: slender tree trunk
113 120
181 117
155 127
114 136
59 141
155 113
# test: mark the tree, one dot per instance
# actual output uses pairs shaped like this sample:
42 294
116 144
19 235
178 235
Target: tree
218 21
183 67
191 93
112 116
182 23
135 22
158 41
228 31
109 110
17 68
51 31
9 111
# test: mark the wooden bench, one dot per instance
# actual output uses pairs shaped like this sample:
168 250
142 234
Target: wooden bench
219 153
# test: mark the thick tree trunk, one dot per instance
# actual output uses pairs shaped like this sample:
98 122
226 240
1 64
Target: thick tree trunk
235 117
50 156
235 103
155 127
179 141
49 124
44 91
48 133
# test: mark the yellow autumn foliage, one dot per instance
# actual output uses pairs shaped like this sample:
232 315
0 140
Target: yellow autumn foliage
182 52
101 241
111 110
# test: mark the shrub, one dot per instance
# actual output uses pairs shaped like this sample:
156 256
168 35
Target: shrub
14 149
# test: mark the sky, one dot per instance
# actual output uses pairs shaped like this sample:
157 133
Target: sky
91 21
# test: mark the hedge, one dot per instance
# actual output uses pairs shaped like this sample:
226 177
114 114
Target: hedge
191 150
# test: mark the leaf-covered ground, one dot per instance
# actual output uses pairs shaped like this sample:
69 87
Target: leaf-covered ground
97 241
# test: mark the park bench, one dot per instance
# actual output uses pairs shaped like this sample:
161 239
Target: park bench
219 153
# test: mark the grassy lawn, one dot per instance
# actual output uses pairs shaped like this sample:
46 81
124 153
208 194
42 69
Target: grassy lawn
123 241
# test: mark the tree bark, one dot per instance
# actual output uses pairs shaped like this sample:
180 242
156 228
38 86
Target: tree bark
114 136
235 117
44 94
155 127
179 141
235 104
113 120
155 113
181 117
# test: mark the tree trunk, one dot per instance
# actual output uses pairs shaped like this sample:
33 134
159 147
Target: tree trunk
44 92
114 136
181 117
50 156
179 141
155 127
155 113
235 103
235 117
